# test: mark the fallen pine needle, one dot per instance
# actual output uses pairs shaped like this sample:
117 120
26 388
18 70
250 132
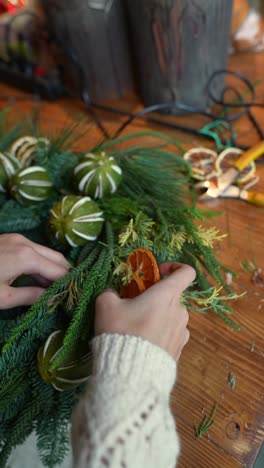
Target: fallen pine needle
232 380
206 424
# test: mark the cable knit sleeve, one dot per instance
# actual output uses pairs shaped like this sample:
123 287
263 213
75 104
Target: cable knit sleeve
124 418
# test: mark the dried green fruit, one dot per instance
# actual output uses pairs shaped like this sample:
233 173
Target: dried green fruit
76 220
97 175
74 369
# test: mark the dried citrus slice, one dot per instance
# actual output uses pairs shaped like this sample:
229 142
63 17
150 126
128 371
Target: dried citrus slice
144 264
145 272
249 183
202 161
227 158
134 288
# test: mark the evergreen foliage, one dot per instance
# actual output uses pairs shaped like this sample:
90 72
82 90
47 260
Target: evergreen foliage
154 207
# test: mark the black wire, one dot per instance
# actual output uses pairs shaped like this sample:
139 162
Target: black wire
239 76
246 106
145 118
165 107
225 114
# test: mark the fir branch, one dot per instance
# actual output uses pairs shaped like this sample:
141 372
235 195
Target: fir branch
60 167
3 199
53 430
85 252
75 329
7 326
94 284
11 390
41 391
52 420
110 244
19 429
18 358
14 392
42 305
3 431
16 218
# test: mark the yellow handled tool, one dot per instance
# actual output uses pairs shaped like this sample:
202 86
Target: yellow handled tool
253 197
207 192
250 155
227 178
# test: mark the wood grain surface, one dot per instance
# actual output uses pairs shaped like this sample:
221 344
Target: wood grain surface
214 349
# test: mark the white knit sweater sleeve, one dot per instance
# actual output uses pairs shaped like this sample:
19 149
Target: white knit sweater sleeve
124 418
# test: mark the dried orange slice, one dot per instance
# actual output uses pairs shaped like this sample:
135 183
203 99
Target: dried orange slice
227 158
202 161
133 289
145 272
144 264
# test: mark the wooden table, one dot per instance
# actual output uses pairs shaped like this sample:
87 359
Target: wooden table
214 349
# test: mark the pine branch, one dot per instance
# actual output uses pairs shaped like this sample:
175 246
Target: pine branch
146 180
7 135
158 135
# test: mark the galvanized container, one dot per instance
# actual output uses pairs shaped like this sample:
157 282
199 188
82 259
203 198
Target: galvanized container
93 33
178 44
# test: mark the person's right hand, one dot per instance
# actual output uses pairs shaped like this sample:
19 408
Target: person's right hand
156 315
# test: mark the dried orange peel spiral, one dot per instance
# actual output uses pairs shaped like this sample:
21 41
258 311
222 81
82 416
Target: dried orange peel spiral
145 272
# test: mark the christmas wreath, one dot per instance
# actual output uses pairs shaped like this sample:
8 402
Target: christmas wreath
106 210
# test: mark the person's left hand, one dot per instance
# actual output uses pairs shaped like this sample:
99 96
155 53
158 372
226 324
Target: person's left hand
19 256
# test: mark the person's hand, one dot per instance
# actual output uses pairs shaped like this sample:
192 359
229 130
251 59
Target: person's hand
156 315
19 256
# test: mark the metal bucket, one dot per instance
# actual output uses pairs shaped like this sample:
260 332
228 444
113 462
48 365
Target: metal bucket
178 44
94 34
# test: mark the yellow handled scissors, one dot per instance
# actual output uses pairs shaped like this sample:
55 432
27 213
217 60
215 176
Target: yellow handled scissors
222 186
